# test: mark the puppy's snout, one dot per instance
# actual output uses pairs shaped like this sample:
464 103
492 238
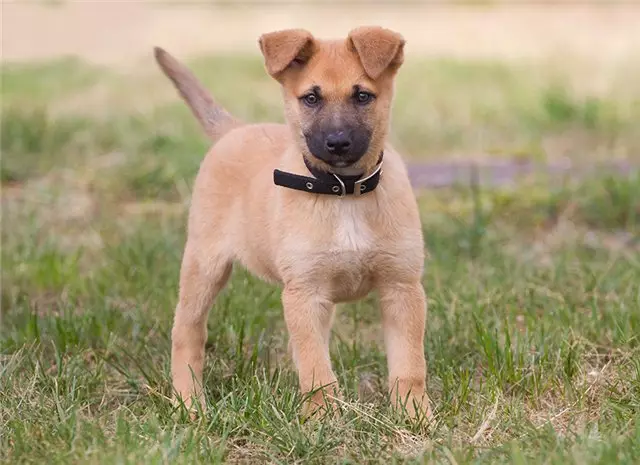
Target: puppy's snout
338 143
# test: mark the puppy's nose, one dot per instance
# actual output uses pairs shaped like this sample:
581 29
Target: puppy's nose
338 143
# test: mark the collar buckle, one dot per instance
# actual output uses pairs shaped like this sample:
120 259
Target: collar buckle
358 186
343 189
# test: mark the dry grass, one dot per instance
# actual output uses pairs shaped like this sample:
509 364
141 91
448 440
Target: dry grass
533 290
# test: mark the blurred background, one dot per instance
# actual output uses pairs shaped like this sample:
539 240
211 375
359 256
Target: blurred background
516 88
535 81
537 102
520 123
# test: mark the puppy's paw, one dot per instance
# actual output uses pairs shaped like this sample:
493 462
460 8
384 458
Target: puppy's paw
321 403
420 408
417 408
194 406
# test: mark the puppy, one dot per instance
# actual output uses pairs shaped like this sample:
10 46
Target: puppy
307 204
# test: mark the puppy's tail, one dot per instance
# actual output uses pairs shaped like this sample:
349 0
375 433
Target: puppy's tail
214 119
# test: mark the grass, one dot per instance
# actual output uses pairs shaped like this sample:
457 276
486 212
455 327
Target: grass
443 106
534 291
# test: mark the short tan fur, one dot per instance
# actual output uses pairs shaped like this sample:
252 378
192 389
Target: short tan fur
322 249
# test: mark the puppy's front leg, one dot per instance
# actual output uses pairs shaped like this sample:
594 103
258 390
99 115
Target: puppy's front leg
308 319
403 316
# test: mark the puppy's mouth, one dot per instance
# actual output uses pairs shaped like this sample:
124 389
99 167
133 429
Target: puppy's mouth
341 157
336 161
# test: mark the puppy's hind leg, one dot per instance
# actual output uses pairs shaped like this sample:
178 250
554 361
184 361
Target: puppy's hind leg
201 279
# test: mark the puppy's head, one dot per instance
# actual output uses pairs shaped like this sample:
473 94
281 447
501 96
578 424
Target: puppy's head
337 93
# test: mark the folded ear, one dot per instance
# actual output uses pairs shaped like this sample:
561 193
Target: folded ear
284 48
379 49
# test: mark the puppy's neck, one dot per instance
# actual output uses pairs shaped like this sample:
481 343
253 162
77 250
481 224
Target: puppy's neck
348 171
356 170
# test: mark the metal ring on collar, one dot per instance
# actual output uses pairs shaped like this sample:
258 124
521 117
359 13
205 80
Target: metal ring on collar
342 188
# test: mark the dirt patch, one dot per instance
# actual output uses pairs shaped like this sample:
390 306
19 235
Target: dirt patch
123 32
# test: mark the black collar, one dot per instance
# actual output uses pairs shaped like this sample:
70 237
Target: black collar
325 182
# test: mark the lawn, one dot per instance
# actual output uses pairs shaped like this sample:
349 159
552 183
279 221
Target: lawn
533 334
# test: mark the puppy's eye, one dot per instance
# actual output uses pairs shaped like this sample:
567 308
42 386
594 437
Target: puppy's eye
311 99
363 97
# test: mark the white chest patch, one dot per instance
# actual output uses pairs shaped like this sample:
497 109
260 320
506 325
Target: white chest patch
351 231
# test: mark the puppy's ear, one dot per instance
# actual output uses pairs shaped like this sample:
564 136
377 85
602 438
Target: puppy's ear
284 48
379 49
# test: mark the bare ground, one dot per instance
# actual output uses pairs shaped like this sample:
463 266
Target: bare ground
121 32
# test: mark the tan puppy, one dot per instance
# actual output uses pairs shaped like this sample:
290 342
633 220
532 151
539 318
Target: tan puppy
323 249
